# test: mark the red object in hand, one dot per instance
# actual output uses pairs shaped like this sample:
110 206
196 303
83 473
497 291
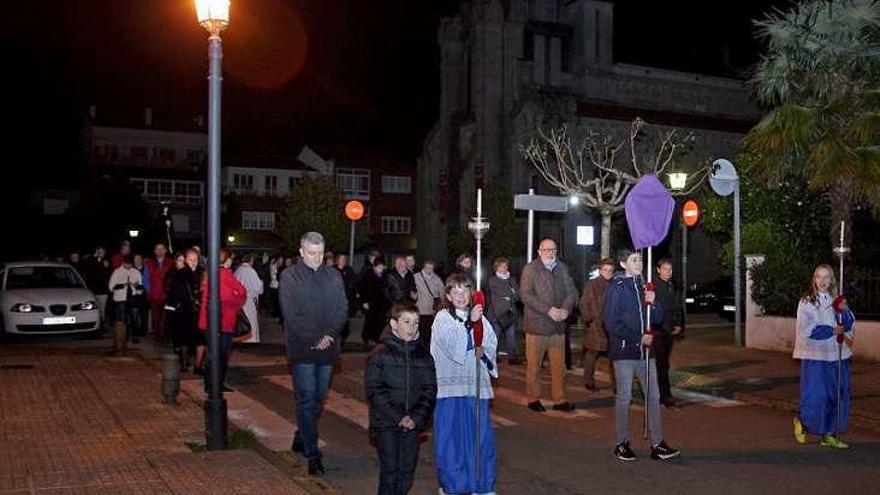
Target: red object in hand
649 287
838 304
479 298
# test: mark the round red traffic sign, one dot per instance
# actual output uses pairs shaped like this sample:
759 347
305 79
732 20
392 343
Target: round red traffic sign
354 210
690 213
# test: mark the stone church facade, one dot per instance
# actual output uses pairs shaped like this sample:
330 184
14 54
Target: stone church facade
509 67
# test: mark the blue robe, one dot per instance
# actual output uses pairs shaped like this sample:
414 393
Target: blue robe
818 407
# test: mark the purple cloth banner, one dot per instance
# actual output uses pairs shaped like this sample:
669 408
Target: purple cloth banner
649 208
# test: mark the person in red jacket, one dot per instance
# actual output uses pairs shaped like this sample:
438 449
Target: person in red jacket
157 268
232 297
124 250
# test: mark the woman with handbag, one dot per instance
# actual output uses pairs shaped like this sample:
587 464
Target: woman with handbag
430 290
232 298
503 296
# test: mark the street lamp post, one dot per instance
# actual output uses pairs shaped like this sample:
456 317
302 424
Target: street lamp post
213 15
677 184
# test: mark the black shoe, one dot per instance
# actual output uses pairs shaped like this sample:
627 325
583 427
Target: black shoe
227 389
590 386
670 403
297 445
564 407
315 467
624 452
537 406
661 452
199 371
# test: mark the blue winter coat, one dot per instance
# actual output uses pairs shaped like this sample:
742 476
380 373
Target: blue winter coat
624 314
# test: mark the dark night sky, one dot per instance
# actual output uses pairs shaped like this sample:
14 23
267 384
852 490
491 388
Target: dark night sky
355 71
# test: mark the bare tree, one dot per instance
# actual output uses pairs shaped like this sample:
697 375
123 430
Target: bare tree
602 168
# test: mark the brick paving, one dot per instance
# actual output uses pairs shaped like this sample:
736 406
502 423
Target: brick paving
83 423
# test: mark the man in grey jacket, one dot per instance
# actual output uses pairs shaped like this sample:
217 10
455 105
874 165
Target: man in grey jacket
548 294
314 306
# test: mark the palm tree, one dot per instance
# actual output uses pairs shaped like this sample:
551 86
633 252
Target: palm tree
821 74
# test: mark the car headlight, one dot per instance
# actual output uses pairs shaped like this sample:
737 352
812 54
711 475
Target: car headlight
27 308
86 306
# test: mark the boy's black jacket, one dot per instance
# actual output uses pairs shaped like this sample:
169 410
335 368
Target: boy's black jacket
400 380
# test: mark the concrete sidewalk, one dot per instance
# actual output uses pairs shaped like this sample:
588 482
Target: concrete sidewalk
707 361
73 420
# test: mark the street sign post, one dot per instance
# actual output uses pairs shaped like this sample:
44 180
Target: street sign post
354 211
534 202
725 181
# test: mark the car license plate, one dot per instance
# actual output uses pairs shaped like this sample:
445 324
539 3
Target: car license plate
728 307
59 320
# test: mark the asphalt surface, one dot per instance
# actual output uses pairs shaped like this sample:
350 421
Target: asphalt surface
728 447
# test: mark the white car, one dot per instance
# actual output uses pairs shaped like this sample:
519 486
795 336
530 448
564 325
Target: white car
42 298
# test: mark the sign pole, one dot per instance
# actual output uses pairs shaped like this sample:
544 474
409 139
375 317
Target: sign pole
351 244
530 233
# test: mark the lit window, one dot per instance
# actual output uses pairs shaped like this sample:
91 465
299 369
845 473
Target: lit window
353 182
258 220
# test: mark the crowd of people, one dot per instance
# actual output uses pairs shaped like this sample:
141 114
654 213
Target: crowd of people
435 342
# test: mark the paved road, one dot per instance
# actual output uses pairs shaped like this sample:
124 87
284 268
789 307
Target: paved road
729 447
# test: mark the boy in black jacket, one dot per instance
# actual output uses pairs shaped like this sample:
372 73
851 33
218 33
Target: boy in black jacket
402 388
625 316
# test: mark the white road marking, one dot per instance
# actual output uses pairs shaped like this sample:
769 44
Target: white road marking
272 430
356 411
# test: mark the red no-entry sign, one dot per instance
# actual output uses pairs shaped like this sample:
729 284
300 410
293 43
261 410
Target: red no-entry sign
354 210
690 213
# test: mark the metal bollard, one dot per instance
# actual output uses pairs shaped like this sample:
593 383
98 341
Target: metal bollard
170 377
120 336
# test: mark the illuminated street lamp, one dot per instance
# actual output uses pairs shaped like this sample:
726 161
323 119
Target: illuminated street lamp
677 181
134 233
230 239
213 15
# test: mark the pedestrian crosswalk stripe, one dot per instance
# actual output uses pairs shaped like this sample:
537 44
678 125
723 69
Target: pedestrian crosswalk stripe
353 410
271 429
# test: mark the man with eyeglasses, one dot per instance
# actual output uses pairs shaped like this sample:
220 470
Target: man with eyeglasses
548 293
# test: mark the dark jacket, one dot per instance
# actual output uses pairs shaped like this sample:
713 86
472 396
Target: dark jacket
96 275
669 299
349 281
400 287
540 290
400 380
182 289
313 305
624 313
503 295
592 299
373 290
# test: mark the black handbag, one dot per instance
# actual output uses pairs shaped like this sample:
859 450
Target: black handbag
242 324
